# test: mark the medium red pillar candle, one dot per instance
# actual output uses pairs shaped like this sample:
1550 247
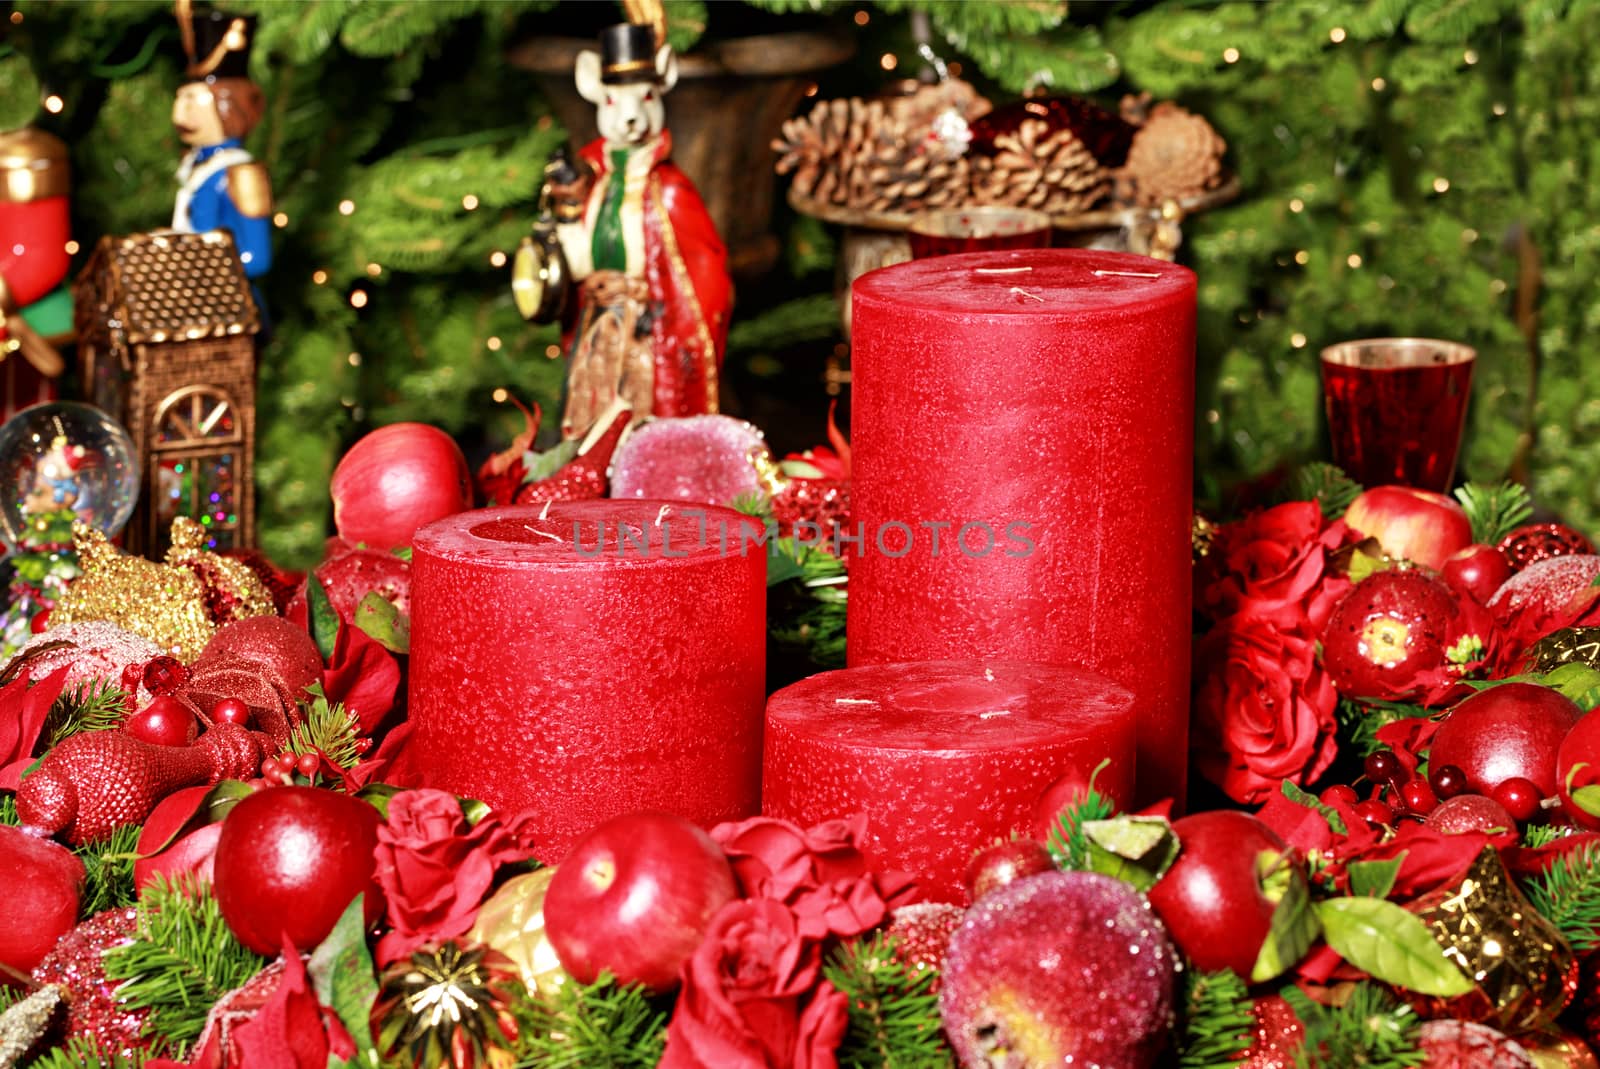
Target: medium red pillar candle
1022 430
590 659
942 756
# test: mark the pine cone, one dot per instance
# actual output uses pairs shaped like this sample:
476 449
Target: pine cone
1032 167
1175 154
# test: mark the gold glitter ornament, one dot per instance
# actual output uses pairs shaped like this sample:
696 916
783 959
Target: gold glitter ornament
1202 533
1523 972
1564 1051
22 1025
447 1006
1580 644
512 922
178 604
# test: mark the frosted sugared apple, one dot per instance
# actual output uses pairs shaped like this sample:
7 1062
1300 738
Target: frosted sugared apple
1212 899
1411 524
290 860
1512 730
634 896
1385 632
1064 968
43 881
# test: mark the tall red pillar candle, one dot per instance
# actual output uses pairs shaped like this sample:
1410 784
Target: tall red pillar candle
1022 446
943 757
590 659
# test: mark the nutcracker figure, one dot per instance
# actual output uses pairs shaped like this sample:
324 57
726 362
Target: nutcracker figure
632 233
222 187
35 311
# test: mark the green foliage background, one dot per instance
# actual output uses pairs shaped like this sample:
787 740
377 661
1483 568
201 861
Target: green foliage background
1409 167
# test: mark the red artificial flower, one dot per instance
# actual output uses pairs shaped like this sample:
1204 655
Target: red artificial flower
292 1030
363 675
1263 709
1274 563
23 710
818 873
435 869
753 996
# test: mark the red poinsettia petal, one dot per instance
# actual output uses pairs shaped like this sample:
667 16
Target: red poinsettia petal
363 675
23 711
287 1032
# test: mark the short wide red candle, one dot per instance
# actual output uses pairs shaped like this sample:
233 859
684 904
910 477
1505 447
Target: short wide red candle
1022 432
588 660
942 756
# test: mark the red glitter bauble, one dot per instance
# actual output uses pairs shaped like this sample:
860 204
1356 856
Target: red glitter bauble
164 675
1450 1044
922 933
78 964
1279 1035
1535 542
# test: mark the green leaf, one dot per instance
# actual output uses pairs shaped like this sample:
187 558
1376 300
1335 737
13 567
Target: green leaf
324 620
1136 850
403 552
341 968
543 465
1494 511
1575 680
1294 924
1391 944
384 623
1588 799
1374 879
377 795
1301 796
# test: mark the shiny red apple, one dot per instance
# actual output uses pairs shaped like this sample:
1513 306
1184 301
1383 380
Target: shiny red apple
1578 769
289 860
1212 899
164 722
1514 729
1387 634
43 881
1411 524
635 897
1477 571
397 479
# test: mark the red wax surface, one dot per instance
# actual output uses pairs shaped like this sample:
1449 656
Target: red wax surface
1024 391
942 756
586 678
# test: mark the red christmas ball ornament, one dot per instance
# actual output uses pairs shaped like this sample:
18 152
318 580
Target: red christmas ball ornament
77 963
993 867
1450 1044
43 883
1470 812
288 862
1387 632
1512 730
921 934
231 711
163 675
396 479
164 722
1534 542
635 895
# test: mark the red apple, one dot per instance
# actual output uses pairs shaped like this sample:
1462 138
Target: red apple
1212 899
397 479
43 881
1578 768
289 860
1386 637
1514 729
1477 571
164 722
1411 524
635 896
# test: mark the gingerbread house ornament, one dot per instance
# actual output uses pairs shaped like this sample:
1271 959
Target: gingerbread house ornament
166 324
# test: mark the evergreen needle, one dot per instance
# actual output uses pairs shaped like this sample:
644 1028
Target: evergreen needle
1568 894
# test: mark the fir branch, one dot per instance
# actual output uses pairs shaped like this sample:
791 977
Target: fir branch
8 810
1537 835
602 1025
807 593
93 706
1362 719
1068 844
182 959
1217 1023
86 1052
1568 894
1371 1029
109 864
1495 511
894 1013
1324 483
328 730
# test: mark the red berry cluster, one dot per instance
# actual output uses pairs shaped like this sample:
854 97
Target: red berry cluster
1397 792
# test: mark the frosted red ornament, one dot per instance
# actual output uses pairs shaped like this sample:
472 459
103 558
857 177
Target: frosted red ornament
78 964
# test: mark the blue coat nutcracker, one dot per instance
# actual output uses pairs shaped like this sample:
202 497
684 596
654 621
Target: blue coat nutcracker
223 188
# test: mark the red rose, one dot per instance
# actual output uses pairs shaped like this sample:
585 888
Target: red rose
1263 709
435 869
753 997
818 873
1275 564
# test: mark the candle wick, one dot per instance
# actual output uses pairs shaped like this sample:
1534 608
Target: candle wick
991 714
662 514
544 513
1020 292
1001 270
855 701
1127 274
542 534
988 674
